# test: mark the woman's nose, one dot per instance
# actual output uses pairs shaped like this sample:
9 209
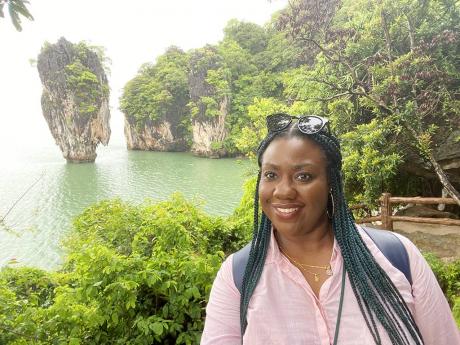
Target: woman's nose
284 189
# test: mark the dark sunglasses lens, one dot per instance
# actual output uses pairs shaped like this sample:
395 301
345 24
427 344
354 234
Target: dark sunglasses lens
310 124
278 122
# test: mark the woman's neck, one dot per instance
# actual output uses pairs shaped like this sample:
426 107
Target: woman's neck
308 246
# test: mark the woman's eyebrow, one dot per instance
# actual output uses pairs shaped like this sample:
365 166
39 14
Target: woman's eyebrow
304 165
295 167
270 165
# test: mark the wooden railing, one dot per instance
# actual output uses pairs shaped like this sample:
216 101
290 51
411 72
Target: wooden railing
386 214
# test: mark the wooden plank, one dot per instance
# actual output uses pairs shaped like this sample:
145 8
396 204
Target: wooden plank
369 219
385 211
358 206
420 200
442 221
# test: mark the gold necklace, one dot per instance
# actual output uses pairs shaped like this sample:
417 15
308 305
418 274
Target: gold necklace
327 268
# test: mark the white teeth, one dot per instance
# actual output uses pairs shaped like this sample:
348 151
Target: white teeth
287 210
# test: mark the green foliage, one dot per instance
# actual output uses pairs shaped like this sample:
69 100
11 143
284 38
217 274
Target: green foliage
249 36
448 276
456 310
86 88
16 8
25 295
244 213
158 90
209 83
370 163
133 275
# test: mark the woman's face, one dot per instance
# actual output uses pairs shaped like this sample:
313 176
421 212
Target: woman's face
293 188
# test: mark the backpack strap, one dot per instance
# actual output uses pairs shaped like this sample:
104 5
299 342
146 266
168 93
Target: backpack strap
388 243
240 260
393 249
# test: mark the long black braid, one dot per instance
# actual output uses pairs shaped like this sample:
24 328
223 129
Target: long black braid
378 298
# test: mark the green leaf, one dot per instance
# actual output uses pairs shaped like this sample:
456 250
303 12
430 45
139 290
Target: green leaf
74 341
157 328
21 8
14 17
115 318
98 283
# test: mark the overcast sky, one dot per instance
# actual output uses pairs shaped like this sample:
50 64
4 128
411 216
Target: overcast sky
133 32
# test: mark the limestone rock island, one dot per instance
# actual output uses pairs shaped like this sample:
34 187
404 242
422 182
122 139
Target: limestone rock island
179 103
75 98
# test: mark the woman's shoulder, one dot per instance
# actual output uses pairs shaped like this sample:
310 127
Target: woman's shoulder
394 252
224 278
419 268
370 239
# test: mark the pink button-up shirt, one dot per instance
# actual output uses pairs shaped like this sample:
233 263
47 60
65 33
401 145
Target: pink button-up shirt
284 310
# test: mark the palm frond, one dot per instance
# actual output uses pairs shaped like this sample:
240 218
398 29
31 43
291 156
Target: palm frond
21 8
14 16
16 9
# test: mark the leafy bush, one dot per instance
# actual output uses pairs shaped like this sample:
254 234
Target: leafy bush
133 275
448 276
25 294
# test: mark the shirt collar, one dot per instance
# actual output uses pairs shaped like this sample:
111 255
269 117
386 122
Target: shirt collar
274 254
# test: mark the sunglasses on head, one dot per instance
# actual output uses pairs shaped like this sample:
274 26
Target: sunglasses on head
308 124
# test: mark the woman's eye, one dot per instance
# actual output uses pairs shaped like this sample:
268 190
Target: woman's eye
269 175
303 177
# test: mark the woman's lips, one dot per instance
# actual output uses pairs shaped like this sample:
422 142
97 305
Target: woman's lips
286 212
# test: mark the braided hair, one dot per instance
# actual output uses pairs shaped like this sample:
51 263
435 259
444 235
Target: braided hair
378 298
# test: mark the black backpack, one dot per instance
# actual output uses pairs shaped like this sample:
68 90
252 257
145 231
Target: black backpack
388 243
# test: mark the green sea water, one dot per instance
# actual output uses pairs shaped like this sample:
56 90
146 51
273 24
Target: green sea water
32 231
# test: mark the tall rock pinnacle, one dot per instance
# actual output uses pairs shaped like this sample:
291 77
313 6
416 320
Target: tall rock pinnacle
75 99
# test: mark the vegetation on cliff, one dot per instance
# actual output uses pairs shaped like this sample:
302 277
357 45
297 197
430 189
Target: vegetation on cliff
386 73
158 90
84 83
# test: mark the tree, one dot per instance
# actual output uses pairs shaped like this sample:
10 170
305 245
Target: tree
249 36
395 62
158 89
16 8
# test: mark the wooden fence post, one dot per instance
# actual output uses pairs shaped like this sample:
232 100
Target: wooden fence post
385 211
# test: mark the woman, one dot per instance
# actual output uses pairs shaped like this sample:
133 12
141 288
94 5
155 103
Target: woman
313 276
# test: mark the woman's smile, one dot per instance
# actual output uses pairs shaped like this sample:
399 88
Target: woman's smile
286 212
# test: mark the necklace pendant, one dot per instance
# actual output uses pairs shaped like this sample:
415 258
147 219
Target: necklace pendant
316 278
329 271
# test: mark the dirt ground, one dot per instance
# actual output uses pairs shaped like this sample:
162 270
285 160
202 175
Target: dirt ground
442 240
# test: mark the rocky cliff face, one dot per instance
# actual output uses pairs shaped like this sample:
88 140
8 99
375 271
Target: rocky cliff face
75 99
211 105
208 133
158 136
